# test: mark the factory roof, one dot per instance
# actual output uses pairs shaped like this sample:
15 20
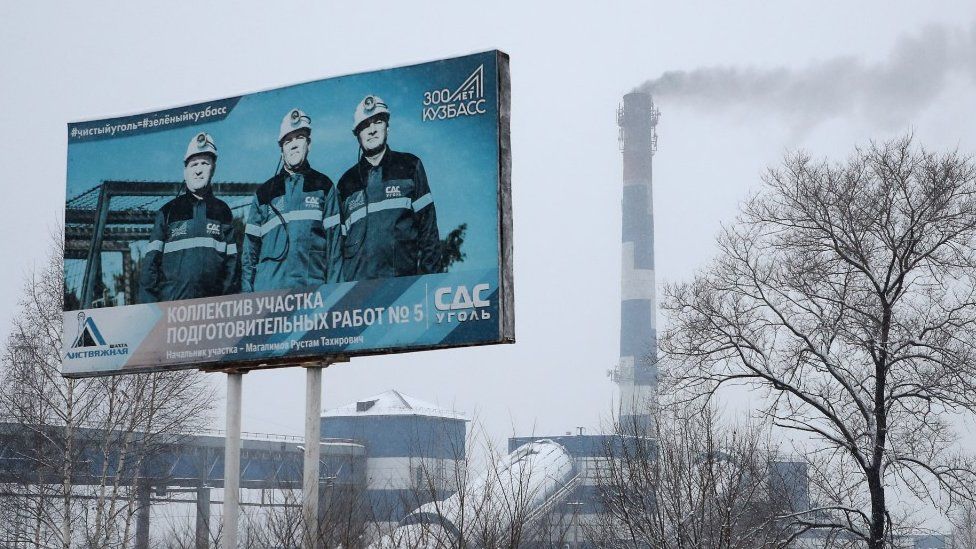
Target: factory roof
392 403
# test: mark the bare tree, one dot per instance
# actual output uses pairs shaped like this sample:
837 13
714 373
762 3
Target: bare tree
34 397
90 442
689 481
963 528
486 498
276 520
845 292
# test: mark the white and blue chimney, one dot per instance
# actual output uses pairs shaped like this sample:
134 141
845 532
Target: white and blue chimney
636 373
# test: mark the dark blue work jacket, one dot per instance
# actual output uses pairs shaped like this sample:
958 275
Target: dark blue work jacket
192 251
388 219
292 235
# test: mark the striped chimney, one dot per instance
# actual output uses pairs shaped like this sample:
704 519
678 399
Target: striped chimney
636 373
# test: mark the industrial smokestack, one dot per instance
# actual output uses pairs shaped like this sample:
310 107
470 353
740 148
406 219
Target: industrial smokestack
636 373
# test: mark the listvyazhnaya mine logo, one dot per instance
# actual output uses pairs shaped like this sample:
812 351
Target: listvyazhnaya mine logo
466 100
90 343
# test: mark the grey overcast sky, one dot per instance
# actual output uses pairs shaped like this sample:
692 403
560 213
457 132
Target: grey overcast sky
738 83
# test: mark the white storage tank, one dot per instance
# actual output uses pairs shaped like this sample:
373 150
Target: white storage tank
520 489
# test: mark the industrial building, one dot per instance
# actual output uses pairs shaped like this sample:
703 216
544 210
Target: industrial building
186 470
413 450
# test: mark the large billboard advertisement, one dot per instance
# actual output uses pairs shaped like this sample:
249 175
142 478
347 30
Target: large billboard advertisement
355 215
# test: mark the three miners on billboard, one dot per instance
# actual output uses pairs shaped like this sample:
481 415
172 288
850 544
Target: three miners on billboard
301 230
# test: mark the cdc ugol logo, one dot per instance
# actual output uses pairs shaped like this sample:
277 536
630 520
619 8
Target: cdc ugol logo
458 303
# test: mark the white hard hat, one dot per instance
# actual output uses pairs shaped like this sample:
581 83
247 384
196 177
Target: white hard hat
371 106
202 143
296 119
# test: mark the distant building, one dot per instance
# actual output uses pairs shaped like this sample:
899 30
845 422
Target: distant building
936 541
413 449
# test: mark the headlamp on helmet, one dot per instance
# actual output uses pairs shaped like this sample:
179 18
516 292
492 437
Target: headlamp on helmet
295 120
202 143
371 107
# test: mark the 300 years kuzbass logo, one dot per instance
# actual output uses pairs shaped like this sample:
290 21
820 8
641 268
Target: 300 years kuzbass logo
467 100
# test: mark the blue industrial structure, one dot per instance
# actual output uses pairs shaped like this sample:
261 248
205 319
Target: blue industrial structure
190 461
413 449
32 455
590 453
511 503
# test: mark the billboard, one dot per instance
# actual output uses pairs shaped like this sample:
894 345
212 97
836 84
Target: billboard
356 215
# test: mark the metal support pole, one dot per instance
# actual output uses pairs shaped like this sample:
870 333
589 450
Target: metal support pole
203 518
142 516
232 462
93 264
576 506
313 442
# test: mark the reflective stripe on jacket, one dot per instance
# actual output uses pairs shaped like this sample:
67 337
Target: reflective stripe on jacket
389 220
192 251
292 235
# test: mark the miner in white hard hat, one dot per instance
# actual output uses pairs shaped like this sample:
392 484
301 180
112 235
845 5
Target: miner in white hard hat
295 121
292 235
192 250
371 110
388 214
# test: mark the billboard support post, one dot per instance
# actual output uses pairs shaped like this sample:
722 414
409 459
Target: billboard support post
232 461
313 439
202 534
